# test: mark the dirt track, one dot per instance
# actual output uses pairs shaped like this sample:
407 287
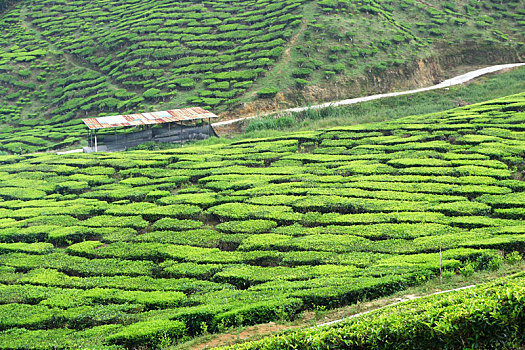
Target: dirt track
460 79
408 298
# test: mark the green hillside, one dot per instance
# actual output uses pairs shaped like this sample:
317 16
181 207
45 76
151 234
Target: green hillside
63 60
141 248
474 319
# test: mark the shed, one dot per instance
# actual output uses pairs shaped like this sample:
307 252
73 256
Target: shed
176 125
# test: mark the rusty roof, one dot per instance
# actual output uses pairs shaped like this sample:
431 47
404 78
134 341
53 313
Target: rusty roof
170 116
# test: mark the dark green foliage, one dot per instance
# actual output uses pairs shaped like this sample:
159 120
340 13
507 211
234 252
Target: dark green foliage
301 83
4 4
247 226
258 313
478 318
267 92
134 67
151 94
302 73
166 53
142 248
148 333
175 224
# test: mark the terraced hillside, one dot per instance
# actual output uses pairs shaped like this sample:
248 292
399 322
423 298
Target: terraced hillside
141 248
477 318
62 60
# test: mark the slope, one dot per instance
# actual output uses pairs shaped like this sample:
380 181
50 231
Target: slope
477 318
143 248
62 60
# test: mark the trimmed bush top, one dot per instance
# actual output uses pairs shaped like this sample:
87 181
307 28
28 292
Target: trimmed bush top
140 249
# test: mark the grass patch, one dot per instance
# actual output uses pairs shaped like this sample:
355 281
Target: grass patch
314 318
493 86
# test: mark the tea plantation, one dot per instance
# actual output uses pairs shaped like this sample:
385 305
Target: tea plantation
139 249
62 60
489 317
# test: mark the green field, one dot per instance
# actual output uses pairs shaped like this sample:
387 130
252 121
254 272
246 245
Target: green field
478 318
64 60
482 89
140 249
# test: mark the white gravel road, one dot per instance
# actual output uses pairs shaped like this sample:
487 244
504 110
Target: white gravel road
460 79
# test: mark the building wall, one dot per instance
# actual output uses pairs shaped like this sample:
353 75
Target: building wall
174 134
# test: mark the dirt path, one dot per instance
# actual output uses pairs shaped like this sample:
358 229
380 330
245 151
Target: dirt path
404 300
268 329
71 59
286 56
461 79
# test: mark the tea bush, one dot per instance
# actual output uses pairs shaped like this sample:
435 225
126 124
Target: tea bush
474 318
144 248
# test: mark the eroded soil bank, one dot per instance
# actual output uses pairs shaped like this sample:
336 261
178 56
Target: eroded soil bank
419 73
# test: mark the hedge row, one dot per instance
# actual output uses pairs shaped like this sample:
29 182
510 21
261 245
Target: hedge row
477 318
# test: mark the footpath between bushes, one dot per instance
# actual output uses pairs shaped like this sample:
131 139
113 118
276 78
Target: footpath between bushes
312 320
393 304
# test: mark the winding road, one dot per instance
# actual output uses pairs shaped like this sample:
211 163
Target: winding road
460 79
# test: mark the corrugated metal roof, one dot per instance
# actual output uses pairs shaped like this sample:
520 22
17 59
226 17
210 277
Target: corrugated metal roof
170 116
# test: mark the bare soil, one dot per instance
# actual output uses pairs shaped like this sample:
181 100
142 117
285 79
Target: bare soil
249 333
420 73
